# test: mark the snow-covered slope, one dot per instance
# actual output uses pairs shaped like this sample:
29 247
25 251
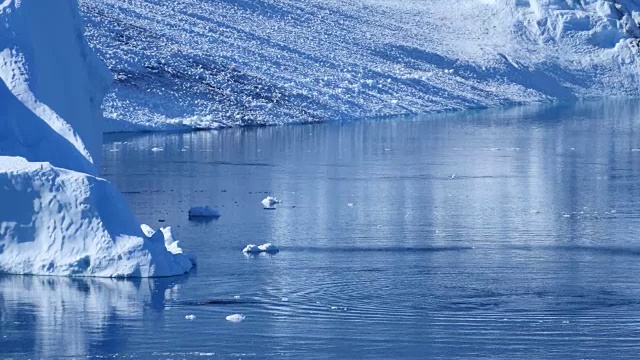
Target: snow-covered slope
201 63
56 217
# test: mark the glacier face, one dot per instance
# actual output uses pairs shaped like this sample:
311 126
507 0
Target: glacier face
56 217
197 63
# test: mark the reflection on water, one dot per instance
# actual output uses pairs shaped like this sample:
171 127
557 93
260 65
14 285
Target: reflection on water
537 172
506 234
71 317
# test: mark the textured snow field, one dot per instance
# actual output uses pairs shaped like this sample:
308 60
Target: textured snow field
203 64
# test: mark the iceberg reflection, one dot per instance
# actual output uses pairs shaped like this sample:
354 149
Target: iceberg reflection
75 317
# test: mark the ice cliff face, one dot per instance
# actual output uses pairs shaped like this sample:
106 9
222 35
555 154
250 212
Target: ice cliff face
196 63
56 217
53 86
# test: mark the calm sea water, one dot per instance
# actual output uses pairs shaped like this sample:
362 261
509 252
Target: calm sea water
504 234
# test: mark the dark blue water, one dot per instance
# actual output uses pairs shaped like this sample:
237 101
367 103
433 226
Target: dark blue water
504 234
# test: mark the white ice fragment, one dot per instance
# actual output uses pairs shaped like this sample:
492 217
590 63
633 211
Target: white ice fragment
147 230
251 249
269 202
236 318
268 248
204 212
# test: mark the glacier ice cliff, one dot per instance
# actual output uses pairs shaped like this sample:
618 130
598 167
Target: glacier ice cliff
56 216
202 64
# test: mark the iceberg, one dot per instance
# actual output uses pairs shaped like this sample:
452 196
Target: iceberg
57 217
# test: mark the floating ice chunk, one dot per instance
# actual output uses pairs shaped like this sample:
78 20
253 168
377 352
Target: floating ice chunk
203 212
190 317
269 202
147 230
268 248
236 318
251 249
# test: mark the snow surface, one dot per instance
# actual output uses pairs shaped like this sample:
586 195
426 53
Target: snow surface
56 216
192 64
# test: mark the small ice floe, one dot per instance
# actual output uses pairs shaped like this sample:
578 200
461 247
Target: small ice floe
157 149
251 249
267 248
147 230
270 202
203 212
236 318
190 317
